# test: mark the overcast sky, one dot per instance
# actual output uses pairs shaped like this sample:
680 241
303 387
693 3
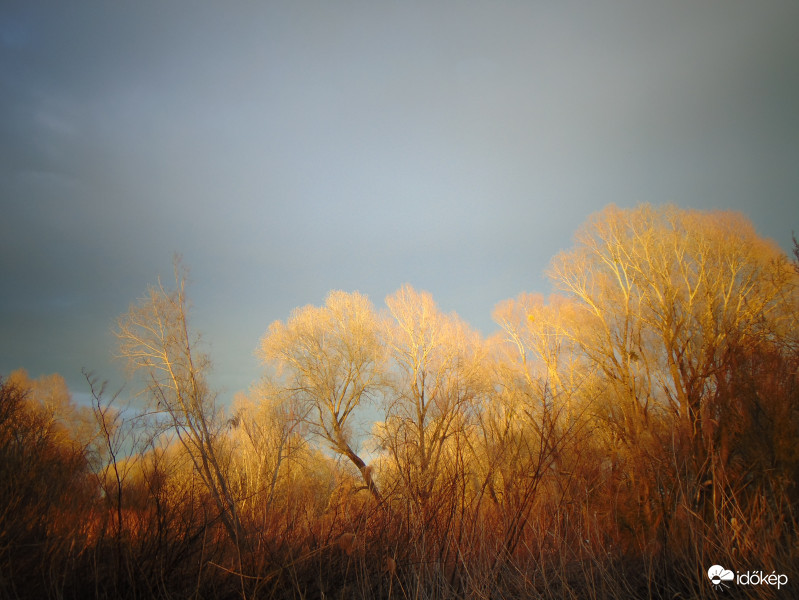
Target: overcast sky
290 148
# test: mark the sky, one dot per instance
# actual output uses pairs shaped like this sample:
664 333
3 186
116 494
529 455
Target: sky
287 149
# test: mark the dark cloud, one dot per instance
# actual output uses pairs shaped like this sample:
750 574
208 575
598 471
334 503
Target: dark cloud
290 148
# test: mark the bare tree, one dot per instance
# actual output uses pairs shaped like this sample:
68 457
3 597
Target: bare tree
69 421
438 379
538 335
666 301
154 336
662 292
329 360
266 435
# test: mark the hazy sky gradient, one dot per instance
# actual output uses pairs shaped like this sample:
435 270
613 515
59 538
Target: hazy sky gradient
290 148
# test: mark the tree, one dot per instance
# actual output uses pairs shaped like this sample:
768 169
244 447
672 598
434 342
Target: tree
329 360
437 381
266 435
74 424
541 347
535 425
667 303
45 491
154 336
663 292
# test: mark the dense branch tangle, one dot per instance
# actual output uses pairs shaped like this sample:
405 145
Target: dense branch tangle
662 291
438 378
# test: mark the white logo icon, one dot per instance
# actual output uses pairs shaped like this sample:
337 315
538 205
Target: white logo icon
718 575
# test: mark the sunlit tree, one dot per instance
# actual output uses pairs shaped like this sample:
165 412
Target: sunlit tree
329 361
267 445
667 301
155 338
438 378
50 393
664 292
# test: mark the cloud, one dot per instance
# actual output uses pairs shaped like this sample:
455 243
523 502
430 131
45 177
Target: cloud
286 150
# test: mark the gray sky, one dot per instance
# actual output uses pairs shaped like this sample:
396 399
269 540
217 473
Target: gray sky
290 148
